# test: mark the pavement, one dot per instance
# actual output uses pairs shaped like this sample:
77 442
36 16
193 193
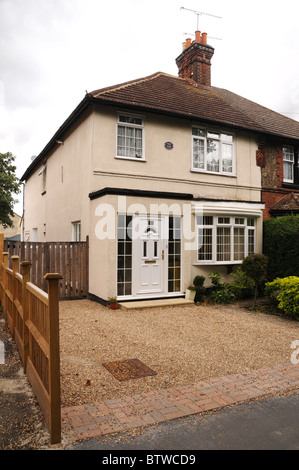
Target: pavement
158 413
266 424
123 414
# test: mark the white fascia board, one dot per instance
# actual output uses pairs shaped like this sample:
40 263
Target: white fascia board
228 208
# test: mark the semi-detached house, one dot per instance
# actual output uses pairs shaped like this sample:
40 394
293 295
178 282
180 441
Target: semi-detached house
163 174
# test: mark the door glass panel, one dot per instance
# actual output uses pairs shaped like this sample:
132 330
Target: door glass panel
124 252
174 255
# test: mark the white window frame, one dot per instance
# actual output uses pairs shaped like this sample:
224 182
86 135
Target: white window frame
76 231
43 173
222 142
225 221
131 126
35 234
288 151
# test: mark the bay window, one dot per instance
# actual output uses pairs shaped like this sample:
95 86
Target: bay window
224 240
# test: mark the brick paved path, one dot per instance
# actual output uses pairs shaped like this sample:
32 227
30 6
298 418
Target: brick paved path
122 414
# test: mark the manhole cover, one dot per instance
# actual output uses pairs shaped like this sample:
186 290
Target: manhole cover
129 369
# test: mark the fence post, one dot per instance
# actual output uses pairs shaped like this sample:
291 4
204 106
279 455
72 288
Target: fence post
15 269
1 268
5 259
1 246
5 265
87 266
26 265
54 366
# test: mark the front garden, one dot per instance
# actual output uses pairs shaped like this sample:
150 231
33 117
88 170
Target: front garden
280 297
272 277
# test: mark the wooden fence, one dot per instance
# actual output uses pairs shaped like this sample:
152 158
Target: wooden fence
70 259
33 319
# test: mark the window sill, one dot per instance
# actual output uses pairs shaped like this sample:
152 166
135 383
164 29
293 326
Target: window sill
230 175
216 263
131 159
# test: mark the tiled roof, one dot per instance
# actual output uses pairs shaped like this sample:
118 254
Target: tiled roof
287 203
173 95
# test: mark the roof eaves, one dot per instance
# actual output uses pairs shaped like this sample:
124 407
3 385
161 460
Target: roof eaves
167 112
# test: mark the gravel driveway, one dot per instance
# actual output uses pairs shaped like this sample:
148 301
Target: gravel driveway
181 344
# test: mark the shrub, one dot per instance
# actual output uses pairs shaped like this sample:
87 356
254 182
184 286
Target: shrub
216 280
242 286
220 292
198 282
255 267
281 246
284 293
223 295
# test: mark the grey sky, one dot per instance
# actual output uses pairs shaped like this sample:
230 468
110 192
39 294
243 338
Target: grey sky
51 51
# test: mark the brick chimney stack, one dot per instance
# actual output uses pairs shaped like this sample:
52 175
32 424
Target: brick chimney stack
195 61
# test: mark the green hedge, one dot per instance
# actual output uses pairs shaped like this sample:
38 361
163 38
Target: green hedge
281 246
284 293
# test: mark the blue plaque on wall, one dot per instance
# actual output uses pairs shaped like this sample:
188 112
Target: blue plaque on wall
168 145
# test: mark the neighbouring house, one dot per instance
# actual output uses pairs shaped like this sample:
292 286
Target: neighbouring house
14 232
280 175
163 174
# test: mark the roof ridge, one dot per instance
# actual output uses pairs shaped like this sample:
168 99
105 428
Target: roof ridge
128 84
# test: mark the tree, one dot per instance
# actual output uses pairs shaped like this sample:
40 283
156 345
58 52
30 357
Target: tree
255 267
9 186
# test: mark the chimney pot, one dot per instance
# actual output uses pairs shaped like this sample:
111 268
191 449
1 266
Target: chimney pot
188 42
197 36
204 38
184 45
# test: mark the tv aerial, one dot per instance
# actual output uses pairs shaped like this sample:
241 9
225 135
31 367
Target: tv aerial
200 13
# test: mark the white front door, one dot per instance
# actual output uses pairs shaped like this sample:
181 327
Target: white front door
150 257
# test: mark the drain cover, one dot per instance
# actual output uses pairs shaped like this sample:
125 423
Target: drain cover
129 369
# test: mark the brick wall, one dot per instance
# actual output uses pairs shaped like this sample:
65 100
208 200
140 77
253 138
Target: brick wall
272 175
195 63
270 198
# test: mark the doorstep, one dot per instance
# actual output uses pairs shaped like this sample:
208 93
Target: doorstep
154 303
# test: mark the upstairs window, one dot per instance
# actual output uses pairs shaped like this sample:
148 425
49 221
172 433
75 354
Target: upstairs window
43 173
288 164
130 137
212 152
